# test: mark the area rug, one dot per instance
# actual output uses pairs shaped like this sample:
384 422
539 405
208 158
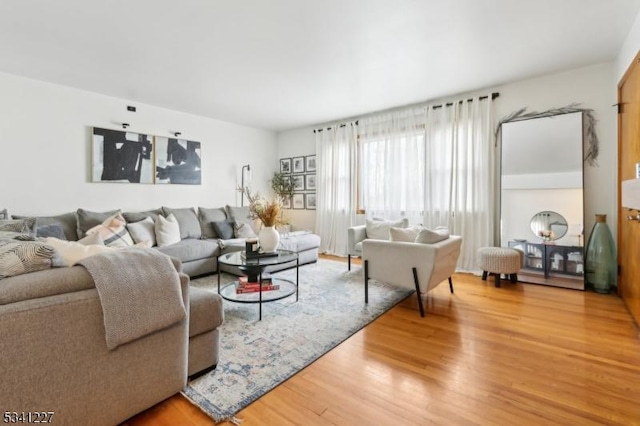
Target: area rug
256 356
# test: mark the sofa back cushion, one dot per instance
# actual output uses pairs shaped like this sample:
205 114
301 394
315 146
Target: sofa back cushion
187 220
379 229
68 221
143 230
241 215
133 217
206 216
88 219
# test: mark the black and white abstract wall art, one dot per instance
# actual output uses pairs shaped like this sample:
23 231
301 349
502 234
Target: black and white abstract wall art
120 156
178 161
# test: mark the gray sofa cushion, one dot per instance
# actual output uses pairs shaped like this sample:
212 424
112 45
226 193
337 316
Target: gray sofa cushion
45 283
88 219
187 220
223 228
206 216
299 241
133 217
54 230
68 221
241 215
191 249
206 312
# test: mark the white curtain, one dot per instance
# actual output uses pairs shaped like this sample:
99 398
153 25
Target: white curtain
336 190
391 151
459 183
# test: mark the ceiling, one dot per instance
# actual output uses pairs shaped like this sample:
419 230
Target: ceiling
283 64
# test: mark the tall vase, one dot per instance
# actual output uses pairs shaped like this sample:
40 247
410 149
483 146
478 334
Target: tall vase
601 263
269 239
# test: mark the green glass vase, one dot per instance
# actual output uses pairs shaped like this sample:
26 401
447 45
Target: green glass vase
601 263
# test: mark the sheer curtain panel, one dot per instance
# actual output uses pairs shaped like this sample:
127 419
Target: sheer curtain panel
336 187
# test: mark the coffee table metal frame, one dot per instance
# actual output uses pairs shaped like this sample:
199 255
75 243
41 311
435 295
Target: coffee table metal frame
256 267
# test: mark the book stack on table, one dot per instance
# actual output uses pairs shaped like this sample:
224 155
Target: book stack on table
246 286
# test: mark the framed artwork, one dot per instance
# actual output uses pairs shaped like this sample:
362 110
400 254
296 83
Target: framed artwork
286 203
178 161
298 201
121 156
285 165
298 182
310 182
310 163
298 164
310 201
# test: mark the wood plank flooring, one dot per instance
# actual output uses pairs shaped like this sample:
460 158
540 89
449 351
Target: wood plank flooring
522 353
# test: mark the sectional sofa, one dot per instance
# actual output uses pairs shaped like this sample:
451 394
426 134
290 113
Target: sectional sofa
52 333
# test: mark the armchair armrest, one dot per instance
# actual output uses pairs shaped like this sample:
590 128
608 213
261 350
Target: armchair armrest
355 234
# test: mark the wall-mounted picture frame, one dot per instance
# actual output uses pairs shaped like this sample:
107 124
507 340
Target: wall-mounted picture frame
121 156
310 201
178 161
298 201
310 163
298 182
286 203
285 165
310 182
298 165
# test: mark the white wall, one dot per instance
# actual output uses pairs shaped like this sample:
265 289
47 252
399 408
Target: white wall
628 51
590 86
45 141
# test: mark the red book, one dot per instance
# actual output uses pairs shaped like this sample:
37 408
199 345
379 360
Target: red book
256 289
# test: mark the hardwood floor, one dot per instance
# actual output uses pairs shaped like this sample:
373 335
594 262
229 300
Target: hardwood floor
521 353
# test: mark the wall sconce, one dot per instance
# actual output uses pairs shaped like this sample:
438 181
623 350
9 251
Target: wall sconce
248 167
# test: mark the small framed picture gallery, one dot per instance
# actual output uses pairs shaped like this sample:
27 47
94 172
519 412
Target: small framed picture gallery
298 201
298 164
310 182
285 165
310 201
310 163
286 203
298 182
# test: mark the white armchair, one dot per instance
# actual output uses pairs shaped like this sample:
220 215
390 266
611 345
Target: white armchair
378 228
411 265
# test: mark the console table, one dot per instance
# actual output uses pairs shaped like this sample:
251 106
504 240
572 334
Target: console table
551 259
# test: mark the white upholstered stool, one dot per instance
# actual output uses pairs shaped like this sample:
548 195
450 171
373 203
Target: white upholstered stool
500 260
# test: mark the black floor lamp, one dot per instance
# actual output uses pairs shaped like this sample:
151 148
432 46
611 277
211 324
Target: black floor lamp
248 167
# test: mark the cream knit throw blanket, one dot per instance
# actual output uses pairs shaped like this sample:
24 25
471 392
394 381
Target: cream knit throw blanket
139 291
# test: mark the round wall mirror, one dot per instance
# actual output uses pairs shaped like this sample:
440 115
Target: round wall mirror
549 226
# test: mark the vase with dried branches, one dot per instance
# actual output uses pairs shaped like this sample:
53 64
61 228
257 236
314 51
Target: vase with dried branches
269 213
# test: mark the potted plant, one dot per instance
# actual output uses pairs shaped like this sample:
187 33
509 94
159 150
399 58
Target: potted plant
282 186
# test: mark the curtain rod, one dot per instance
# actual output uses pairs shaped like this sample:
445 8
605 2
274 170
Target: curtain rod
493 96
342 125
481 98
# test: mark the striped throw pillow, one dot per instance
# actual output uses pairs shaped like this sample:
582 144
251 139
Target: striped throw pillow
113 232
24 226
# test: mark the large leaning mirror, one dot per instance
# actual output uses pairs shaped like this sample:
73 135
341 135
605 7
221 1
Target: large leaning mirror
541 197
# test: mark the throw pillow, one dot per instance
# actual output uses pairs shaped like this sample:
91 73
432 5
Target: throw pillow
241 215
21 257
143 231
404 234
224 229
73 251
113 231
24 226
243 230
4 214
379 229
188 221
428 236
52 230
68 221
167 231
87 220
206 216
12 235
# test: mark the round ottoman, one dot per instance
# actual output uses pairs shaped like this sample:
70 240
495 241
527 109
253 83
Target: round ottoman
500 260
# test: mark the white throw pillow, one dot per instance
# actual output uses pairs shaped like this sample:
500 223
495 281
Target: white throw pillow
73 251
408 235
379 229
243 230
429 236
143 231
167 231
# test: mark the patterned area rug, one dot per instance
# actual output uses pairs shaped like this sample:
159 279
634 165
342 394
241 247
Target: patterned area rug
256 356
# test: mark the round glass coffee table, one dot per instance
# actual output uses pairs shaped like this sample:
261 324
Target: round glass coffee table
254 267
